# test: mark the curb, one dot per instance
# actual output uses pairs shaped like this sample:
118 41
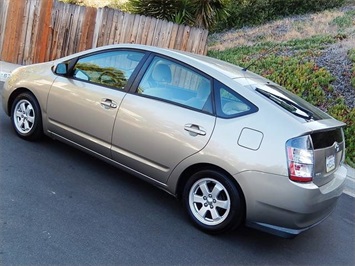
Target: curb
349 187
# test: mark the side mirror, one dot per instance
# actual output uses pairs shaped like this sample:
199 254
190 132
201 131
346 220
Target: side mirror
61 69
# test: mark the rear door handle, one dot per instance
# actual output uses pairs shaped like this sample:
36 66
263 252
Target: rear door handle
195 129
108 103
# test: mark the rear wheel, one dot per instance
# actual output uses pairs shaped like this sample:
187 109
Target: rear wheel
26 117
213 202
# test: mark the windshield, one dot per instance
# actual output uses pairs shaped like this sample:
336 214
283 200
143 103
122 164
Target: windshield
291 102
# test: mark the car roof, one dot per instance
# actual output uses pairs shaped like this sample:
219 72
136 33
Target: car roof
209 65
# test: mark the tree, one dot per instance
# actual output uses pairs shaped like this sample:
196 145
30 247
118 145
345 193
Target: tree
161 9
209 12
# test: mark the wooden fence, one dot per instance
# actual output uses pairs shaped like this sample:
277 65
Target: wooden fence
33 31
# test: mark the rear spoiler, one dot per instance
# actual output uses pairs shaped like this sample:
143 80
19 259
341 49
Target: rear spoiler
324 125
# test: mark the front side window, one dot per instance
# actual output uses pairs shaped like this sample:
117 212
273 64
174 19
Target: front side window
112 68
173 82
231 104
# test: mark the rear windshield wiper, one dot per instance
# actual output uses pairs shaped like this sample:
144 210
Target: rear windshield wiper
290 106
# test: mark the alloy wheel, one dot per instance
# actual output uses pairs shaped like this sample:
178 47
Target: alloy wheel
24 116
209 201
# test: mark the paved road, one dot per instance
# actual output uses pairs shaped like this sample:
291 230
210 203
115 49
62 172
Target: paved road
59 206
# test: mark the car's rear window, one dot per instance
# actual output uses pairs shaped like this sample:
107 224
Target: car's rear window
291 102
325 139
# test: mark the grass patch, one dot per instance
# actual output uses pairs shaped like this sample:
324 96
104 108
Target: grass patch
292 65
344 21
315 42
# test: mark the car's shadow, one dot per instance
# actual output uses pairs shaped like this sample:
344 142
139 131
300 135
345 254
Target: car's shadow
132 185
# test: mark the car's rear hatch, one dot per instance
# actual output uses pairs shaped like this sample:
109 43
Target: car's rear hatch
326 132
329 153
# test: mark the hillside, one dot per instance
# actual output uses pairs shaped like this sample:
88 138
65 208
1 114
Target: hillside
312 55
338 23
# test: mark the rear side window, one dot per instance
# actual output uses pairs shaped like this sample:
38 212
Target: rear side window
230 104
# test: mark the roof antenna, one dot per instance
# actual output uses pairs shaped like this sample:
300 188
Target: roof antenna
259 57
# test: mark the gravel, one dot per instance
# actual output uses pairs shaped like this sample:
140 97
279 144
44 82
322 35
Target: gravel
335 59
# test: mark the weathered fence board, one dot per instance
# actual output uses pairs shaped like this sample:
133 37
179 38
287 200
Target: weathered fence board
34 31
4 7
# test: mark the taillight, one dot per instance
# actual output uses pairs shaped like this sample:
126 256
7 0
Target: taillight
300 159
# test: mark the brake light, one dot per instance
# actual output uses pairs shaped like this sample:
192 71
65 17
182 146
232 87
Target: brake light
300 159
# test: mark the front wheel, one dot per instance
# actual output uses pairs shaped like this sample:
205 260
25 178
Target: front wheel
213 202
26 117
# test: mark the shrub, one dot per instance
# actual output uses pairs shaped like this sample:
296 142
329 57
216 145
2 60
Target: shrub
352 58
160 9
74 2
341 112
197 13
255 12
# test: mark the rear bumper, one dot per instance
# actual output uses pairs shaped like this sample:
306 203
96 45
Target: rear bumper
285 231
279 206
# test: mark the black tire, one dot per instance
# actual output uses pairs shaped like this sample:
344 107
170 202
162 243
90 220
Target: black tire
213 202
26 117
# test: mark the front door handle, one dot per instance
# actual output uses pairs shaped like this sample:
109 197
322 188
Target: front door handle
195 129
108 103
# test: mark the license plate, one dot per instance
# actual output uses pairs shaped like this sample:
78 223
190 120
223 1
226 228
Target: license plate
330 163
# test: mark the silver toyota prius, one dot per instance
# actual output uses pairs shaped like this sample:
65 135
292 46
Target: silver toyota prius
235 147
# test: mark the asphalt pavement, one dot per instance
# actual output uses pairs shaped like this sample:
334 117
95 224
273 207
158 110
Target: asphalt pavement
60 206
